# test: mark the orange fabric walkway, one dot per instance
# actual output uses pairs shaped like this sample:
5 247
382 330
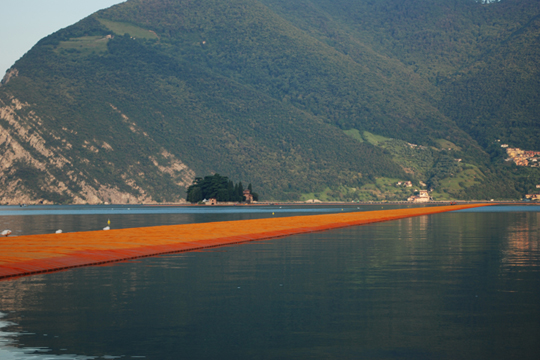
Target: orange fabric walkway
34 254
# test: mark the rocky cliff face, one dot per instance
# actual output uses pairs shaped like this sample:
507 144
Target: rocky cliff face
34 170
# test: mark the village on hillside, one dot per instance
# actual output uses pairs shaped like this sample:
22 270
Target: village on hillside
522 157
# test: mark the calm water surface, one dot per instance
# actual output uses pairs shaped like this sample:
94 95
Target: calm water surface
462 285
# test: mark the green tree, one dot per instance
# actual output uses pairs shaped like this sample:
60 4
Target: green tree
194 194
240 192
218 187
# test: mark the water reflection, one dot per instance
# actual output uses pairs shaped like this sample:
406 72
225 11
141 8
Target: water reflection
523 242
9 349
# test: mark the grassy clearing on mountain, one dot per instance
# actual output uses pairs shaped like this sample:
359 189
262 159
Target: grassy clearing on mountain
355 134
83 46
384 188
468 176
122 28
374 139
447 145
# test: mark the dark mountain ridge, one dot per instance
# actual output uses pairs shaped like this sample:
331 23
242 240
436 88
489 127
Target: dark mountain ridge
303 98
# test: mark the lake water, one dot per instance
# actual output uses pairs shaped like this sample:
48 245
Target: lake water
462 285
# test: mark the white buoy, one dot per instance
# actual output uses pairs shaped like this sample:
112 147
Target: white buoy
59 231
6 232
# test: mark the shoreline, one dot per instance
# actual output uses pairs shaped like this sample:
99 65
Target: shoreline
38 254
292 203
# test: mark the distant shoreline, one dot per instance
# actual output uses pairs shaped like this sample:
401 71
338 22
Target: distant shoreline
343 203
302 203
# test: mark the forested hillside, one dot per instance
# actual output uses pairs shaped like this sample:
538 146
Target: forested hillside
329 99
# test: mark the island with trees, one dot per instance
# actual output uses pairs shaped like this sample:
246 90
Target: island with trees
221 189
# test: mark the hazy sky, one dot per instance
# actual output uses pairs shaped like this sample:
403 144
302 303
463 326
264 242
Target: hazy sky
25 22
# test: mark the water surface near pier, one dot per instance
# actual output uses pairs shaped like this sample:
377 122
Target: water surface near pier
463 285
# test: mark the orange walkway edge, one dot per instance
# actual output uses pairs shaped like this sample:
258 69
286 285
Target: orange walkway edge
35 254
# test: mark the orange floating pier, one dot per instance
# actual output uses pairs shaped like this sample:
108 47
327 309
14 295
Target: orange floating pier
35 254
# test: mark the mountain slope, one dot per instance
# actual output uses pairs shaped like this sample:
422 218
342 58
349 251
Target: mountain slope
469 55
161 108
497 96
133 102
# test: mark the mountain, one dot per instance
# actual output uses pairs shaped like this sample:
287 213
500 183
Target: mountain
304 99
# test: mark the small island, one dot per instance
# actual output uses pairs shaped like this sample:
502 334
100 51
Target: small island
216 188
